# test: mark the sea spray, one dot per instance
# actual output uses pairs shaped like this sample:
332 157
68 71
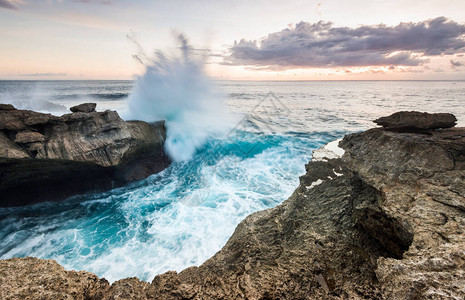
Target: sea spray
176 89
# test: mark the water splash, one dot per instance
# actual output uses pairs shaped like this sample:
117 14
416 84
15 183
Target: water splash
176 89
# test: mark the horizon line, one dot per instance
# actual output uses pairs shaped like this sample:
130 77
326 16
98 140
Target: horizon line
248 80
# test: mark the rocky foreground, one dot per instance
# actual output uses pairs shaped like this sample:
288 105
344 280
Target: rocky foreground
378 215
49 158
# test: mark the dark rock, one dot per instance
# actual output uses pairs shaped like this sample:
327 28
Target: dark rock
6 107
414 121
84 107
49 158
18 120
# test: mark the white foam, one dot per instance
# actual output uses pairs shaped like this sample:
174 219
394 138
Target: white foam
170 224
314 184
328 151
176 89
337 174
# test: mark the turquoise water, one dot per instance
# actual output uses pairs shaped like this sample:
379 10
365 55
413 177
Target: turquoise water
185 214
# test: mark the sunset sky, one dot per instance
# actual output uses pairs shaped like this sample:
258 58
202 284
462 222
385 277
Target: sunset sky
241 40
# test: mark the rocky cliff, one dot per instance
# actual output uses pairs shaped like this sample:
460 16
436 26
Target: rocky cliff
378 215
49 158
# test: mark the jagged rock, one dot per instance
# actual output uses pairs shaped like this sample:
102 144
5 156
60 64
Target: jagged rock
25 137
51 281
84 107
412 121
74 154
379 215
6 107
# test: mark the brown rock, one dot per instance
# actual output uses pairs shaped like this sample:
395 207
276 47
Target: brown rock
6 107
10 149
32 278
39 119
130 288
25 137
84 107
17 120
383 221
413 121
11 121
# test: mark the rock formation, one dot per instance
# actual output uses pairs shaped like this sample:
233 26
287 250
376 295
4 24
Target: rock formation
84 107
414 121
48 158
378 215
51 281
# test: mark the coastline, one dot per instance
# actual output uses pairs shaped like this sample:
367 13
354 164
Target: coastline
382 221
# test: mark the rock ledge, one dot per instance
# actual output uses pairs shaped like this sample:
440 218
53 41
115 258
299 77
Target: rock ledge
49 158
414 121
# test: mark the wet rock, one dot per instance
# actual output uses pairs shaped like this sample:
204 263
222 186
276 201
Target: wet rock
414 121
84 107
6 107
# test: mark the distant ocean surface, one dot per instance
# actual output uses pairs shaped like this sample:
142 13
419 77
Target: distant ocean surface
185 214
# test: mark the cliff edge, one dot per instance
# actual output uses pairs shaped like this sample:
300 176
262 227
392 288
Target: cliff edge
378 215
49 158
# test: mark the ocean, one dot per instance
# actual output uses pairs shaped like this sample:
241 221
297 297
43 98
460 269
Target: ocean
185 214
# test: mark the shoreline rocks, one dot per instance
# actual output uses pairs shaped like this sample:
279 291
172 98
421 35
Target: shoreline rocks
378 215
414 121
84 107
49 158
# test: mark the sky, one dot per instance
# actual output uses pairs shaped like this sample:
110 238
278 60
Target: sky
239 40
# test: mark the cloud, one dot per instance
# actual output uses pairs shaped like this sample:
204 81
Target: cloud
107 2
322 45
44 74
455 64
9 4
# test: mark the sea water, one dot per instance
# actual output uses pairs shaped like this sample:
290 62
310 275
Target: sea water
185 214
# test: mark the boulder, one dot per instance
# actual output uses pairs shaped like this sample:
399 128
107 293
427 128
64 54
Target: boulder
25 137
84 107
6 107
414 121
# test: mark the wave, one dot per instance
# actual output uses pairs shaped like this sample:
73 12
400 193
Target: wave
172 220
106 96
175 88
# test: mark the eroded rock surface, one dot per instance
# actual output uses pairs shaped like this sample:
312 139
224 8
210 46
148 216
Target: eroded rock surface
32 278
384 221
48 158
414 121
